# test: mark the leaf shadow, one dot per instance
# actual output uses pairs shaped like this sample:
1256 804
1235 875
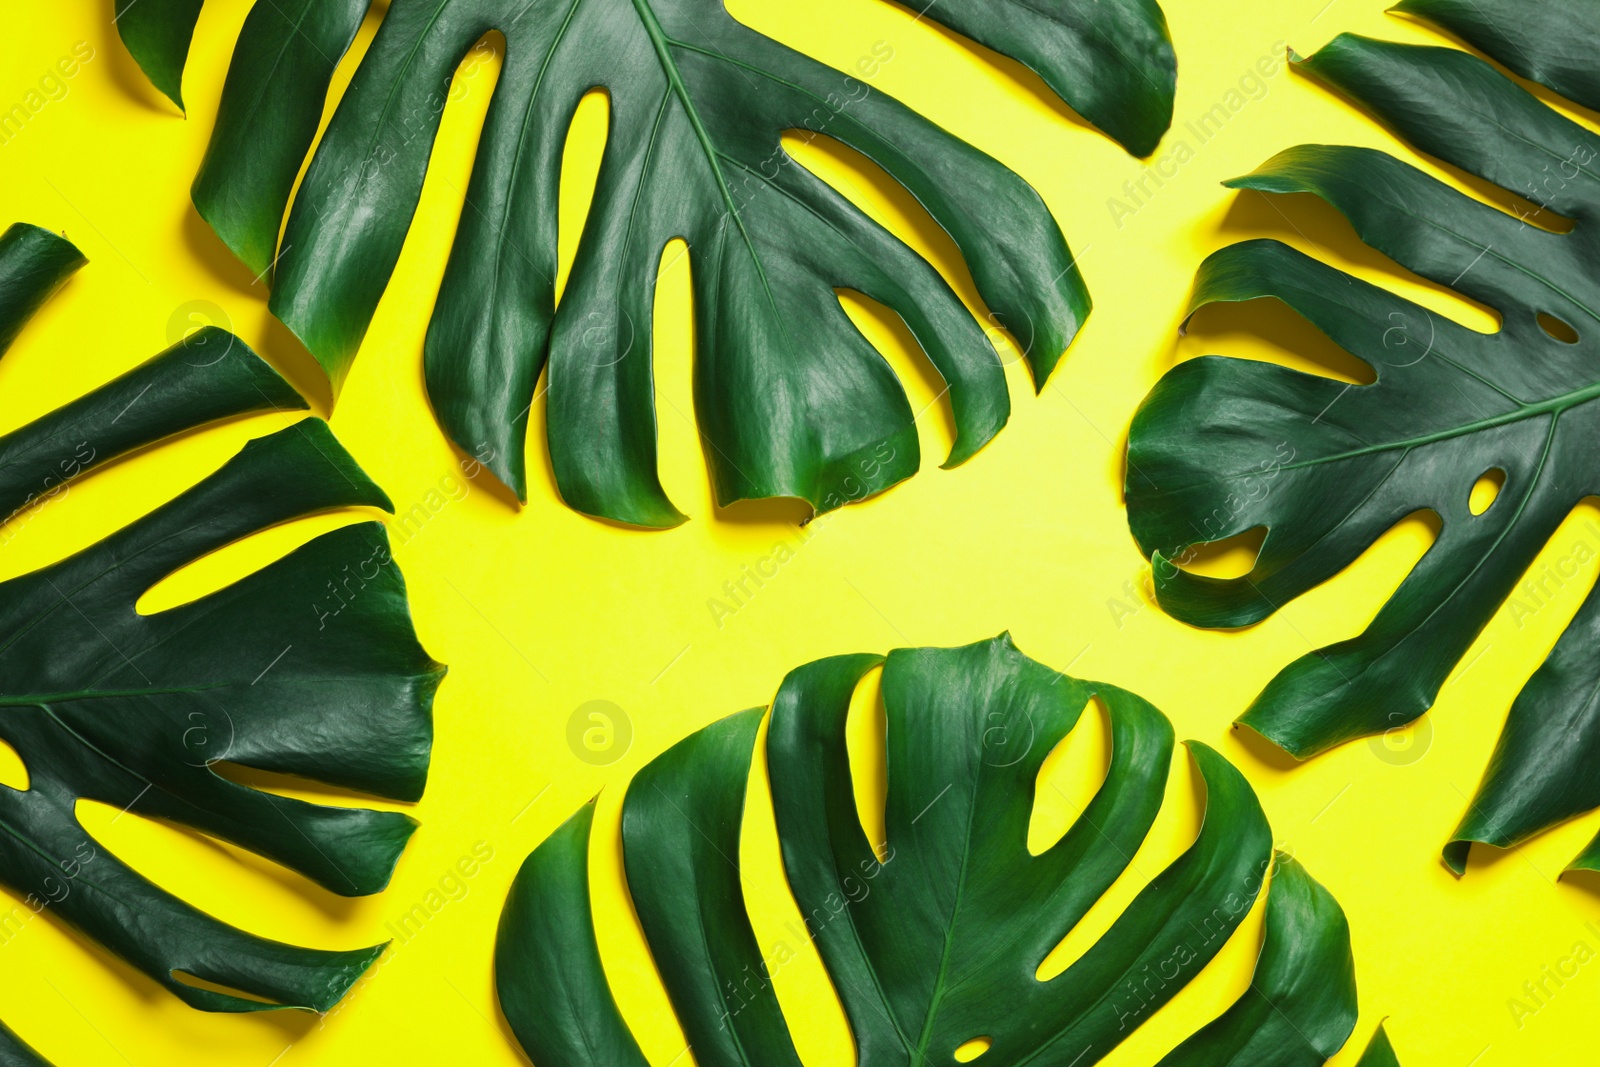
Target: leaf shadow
332 905
784 511
291 1025
1017 75
1265 755
1503 198
1583 880
129 77
1304 219
1483 858
101 522
279 346
876 193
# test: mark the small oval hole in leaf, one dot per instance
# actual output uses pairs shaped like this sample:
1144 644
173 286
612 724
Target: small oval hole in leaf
972 1049
13 771
1486 489
1560 329
1230 557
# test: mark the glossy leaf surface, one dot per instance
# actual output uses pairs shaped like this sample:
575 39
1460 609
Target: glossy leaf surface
791 400
934 938
134 710
1223 446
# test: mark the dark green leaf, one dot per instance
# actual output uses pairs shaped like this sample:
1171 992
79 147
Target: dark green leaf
288 51
1222 446
790 398
938 942
1535 39
564 1014
1112 62
308 667
34 263
15 1052
1379 1053
157 33
1301 1005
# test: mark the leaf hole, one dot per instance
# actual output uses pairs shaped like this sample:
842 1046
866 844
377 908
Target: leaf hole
288 786
1230 557
926 390
581 155
1307 222
624 955
972 1048
225 880
882 198
13 770
230 564
1560 329
1174 832
91 495
684 458
1486 490
1070 776
791 965
196 982
866 732
1270 331
1548 593
879 195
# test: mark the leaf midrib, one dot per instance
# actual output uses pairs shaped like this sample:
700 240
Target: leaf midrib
1483 558
940 982
522 140
42 699
663 48
1555 405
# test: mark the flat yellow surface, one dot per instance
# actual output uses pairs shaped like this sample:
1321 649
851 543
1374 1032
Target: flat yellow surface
540 612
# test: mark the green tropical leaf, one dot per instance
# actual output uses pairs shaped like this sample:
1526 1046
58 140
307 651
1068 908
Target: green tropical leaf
1224 446
792 401
1379 1053
308 667
157 33
15 1052
938 942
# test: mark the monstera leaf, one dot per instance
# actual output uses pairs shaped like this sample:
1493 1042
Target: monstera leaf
309 667
1223 446
933 940
791 400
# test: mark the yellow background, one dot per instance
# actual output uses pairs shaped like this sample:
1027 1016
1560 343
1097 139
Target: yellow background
540 611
